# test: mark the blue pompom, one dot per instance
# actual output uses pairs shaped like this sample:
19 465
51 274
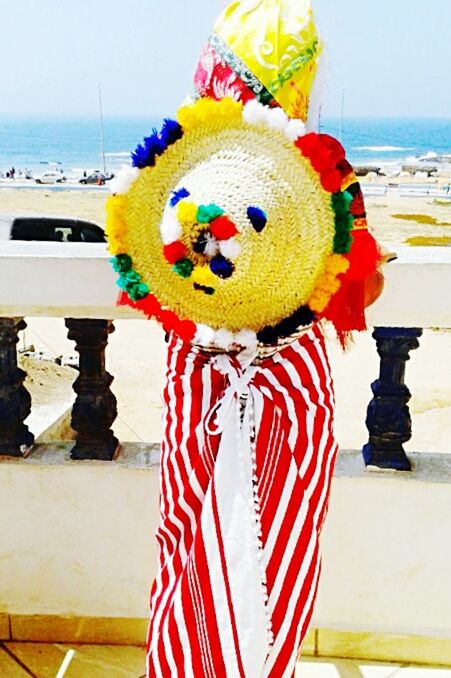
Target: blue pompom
145 154
257 217
221 266
171 132
177 196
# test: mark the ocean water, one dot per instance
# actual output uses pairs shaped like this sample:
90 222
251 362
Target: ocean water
73 144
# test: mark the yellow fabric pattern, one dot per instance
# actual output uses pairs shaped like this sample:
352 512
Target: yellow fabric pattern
278 42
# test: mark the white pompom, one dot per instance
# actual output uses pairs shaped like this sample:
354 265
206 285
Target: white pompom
254 113
295 129
224 339
230 249
246 338
204 336
123 179
277 119
212 247
170 228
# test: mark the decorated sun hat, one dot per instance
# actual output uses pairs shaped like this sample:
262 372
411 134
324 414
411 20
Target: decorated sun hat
233 225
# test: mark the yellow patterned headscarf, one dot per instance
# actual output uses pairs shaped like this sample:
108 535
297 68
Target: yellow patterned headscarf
278 42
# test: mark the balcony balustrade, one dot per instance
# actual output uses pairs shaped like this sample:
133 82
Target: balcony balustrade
75 282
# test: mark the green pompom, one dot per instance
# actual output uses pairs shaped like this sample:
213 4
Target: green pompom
128 279
343 238
207 213
131 277
121 263
183 267
341 202
138 291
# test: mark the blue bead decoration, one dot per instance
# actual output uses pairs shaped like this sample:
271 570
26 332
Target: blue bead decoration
257 217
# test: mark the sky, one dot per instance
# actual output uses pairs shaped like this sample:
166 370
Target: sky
390 57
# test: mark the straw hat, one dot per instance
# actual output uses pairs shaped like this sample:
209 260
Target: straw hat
232 224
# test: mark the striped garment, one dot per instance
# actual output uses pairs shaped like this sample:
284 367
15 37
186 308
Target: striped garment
247 460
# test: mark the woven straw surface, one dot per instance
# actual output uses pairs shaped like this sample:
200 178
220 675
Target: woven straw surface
236 165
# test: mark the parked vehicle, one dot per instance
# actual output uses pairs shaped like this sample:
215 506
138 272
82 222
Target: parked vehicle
96 177
49 228
51 177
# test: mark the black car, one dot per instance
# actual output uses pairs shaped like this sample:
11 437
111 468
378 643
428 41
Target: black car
49 228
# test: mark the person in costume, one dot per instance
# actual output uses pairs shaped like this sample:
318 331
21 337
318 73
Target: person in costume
242 231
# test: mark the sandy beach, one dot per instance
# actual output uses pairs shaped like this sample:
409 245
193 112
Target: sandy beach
394 218
138 383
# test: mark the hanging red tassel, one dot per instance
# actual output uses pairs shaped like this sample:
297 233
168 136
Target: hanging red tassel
364 256
124 300
150 306
346 309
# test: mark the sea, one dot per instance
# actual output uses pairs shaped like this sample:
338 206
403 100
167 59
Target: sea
73 145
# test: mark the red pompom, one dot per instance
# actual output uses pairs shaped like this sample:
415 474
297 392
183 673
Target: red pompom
322 161
223 228
338 153
364 255
175 251
331 181
308 144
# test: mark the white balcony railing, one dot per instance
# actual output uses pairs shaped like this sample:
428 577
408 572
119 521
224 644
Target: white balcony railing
86 527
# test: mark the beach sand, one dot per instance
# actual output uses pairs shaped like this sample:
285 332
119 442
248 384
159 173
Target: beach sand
138 382
393 218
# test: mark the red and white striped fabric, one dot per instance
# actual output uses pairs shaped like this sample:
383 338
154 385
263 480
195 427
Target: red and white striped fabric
247 460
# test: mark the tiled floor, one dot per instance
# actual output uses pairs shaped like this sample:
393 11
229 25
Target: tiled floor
39 660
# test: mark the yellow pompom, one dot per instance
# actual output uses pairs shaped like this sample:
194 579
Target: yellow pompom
186 117
203 276
116 227
206 109
187 213
116 204
230 109
115 246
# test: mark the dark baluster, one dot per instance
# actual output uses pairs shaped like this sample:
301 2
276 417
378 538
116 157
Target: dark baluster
15 401
388 418
95 408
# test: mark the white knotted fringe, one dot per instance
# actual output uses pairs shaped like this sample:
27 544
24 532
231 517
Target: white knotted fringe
234 411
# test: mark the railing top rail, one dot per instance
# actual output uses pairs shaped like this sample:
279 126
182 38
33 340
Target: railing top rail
75 280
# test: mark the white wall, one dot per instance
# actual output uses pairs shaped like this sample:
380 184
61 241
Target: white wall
79 541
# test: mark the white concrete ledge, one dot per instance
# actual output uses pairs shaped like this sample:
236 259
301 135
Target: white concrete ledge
76 280
88 529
